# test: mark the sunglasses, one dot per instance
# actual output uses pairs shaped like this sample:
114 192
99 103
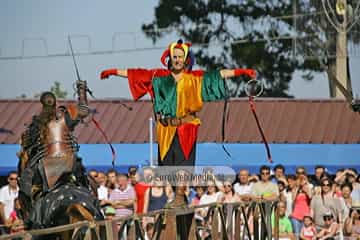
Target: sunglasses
228 185
326 185
327 218
12 179
265 173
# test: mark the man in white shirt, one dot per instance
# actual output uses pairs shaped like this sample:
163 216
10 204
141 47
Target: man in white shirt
8 194
102 191
243 187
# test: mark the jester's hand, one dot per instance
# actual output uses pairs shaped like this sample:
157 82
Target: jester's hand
241 71
251 73
106 73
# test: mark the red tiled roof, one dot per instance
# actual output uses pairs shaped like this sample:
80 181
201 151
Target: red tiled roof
283 121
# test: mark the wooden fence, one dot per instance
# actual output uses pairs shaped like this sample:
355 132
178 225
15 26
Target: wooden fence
230 221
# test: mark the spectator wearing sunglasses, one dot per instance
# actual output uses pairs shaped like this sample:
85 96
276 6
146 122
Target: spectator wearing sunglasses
331 228
228 195
8 193
325 202
265 189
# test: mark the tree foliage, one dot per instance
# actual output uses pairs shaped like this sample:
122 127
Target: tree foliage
56 89
255 34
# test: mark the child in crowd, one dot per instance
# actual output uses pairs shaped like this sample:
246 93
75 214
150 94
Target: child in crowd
308 231
331 229
15 220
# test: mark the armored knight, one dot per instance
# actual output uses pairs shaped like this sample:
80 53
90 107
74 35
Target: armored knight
49 161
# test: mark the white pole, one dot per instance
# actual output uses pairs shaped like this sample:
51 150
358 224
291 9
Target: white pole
151 141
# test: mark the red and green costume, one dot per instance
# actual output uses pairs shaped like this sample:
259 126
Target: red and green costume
176 100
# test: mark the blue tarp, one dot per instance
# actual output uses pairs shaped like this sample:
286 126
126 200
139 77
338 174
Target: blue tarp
251 156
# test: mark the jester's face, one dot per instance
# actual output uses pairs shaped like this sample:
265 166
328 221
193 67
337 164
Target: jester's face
178 60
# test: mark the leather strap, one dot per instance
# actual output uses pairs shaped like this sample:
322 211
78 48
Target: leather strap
177 121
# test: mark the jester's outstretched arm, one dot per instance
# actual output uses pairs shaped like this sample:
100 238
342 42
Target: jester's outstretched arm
225 73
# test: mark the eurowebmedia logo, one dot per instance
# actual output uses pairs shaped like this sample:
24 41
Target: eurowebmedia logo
185 175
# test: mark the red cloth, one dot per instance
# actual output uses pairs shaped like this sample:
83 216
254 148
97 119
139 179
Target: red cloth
13 216
140 81
187 137
140 189
240 71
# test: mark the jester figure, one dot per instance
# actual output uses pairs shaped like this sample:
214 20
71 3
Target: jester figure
178 93
52 178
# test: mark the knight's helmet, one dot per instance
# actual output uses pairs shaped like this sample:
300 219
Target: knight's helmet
48 99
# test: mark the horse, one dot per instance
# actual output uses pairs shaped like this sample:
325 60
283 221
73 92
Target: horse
78 213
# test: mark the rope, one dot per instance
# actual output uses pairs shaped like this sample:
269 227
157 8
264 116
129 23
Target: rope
252 107
107 140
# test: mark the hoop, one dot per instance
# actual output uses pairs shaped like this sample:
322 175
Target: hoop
254 88
330 12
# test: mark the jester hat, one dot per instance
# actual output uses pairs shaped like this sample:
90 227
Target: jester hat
168 53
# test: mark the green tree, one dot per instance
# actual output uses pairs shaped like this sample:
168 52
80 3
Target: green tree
56 90
255 34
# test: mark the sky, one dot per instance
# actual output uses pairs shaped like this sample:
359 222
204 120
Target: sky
40 27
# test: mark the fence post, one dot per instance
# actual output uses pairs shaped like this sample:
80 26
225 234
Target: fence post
215 225
110 231
192 232
132 232
256 222
237 224
276 220
170 231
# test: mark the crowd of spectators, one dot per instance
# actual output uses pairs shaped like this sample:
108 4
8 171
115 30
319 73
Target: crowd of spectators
321 206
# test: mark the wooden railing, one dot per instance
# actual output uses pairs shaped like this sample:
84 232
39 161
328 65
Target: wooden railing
229 224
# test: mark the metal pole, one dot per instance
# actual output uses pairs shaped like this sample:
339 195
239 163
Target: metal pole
294 9
151 141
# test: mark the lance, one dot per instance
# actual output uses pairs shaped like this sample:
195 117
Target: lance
82 95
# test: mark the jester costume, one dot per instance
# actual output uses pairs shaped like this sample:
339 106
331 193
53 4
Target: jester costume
176 106
177 102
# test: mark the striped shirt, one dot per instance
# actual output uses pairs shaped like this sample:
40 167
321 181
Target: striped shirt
127 194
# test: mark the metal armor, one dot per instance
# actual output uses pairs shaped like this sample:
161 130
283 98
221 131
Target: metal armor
48 148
